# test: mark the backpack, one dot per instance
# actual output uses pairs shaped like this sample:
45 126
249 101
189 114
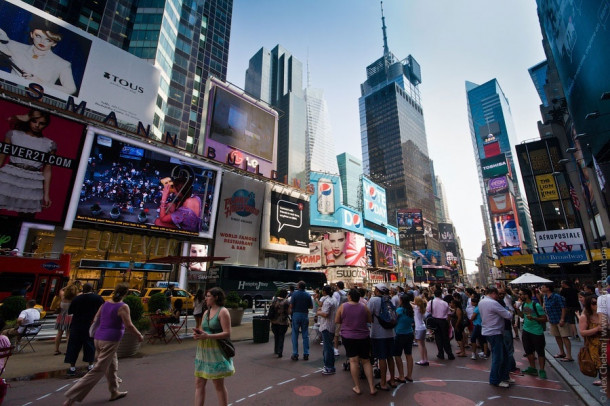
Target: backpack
543 323
343 298
387 315
272 311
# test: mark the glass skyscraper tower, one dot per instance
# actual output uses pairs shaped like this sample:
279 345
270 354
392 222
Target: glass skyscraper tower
187 39
320 151
394 145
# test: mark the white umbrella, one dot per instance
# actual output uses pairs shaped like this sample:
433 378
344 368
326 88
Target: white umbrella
529 278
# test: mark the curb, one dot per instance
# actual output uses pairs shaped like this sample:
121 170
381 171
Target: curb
580 390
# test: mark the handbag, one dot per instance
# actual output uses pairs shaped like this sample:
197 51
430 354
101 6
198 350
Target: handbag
429 320
225 344
585 362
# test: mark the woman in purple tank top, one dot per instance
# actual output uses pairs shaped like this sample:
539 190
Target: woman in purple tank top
114 318
355 318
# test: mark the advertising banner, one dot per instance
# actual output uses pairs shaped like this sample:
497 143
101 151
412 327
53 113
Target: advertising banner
46 53
500 203
383 255
507 231
405 266
239 130
349 276
497 185
560 257
130 184
286 220
239 220
547 189
344 248
494 166
325 200
374 199
446 234
197 270
429 257
39 157
314 258
491 149
410 222
561 240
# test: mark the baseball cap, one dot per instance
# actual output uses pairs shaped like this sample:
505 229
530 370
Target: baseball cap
381 287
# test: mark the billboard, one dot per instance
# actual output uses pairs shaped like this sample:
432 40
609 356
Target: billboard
500 203
560 240
130 184
506 230
286 220
239 130
197 270
384 257
313 259
325 200
344 248
52 57
497 185
374 199
39 157
239 221
446 233
494 166
547 189
491 149
410 222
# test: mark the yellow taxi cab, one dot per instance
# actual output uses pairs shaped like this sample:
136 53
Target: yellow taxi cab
106 293
187 298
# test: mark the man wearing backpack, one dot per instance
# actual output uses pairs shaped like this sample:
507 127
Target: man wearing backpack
340 297
382 338
439 310
533 333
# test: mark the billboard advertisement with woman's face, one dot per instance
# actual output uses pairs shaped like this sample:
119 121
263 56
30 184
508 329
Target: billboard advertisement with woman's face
37 48
344 248
39 156
130 184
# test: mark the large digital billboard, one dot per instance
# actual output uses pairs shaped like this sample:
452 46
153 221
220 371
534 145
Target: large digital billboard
239 130
52 57
286 220
344 248
39 157
130 184
446 233
410 222
374 199
384 257
506 229
501 203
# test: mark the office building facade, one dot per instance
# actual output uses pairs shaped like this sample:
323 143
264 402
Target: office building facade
320 152
350 171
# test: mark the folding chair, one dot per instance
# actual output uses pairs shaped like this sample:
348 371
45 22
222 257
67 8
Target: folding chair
5 353
175 328
157 330
30 332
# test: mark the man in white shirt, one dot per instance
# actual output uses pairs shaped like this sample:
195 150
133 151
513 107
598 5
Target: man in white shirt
493 315
326 316
439 309
27 316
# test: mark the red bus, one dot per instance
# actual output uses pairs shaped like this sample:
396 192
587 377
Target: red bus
40 278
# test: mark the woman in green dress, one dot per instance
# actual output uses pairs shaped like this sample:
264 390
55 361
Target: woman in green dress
210 363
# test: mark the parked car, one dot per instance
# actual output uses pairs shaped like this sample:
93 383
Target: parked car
187 298
106 293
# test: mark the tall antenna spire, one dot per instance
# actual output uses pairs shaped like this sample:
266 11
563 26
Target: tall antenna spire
386 50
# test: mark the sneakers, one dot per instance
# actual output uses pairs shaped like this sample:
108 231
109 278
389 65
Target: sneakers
71 371
504 384
531 371
294 357
90 367
422 363
473 357
328 371
481 354
510 380
451 357
542 374
305 357
336 352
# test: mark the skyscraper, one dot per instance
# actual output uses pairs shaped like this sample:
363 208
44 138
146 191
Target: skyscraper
320 150
394 145
350 170
187 40
493 135
276 77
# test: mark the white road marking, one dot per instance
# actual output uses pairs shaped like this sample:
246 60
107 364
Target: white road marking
26 404
62 388
493 397
305 376
533 400
237 401
254 394
44 396
290 380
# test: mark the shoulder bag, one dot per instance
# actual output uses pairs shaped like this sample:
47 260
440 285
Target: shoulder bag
585 361
429 320
225 344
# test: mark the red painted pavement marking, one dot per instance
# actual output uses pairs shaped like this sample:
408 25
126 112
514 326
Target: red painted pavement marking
538 383
307 391
433 398
478 367
433 381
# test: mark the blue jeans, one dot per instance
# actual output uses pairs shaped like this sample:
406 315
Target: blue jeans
510 349
328 352
300 324
499 359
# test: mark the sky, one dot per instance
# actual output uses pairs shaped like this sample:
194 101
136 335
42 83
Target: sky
453 41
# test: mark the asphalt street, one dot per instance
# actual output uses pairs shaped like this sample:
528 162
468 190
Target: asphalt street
167 379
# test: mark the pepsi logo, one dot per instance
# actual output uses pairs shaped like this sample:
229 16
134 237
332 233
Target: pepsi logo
371 205
325 189
352 219
373 192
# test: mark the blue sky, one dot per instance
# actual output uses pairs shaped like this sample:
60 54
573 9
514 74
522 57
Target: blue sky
453 41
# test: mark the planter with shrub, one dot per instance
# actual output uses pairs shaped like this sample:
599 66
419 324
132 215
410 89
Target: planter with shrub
129 344
236 307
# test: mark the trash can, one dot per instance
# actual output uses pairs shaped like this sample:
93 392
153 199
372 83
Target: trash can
260 329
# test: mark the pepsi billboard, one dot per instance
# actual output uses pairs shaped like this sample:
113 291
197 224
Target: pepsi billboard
374 203
325 201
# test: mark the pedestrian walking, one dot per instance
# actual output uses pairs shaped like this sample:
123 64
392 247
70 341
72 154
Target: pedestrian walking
532 336
198 305
382 338
300 303
279 318
591 328
114 317
210 361
326 317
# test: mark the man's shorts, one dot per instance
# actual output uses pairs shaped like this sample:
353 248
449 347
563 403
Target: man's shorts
383 347
570 315
558 331
533 343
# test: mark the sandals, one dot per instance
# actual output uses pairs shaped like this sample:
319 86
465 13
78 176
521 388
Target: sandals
559 356
57 352
391 385
378 386
400 380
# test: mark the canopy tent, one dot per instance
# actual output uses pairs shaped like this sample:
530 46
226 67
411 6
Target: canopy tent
529 278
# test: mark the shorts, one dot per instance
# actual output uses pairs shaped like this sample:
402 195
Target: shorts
476 334
357 347
533 342
571 315
382 347
557 331
403 342
420 334
459 333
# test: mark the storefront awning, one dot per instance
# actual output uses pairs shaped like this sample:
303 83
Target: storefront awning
175 259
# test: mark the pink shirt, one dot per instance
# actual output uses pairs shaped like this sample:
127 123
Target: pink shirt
440 310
